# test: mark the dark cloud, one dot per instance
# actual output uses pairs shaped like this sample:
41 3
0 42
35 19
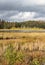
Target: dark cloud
10 8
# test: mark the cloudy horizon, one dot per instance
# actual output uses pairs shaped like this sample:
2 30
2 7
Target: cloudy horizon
22 10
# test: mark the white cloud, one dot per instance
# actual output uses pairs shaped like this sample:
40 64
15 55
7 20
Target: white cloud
40 18
24 16
20 16
33 2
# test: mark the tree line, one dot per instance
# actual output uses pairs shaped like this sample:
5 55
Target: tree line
27 24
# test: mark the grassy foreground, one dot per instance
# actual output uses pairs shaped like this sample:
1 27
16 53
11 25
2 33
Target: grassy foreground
22 48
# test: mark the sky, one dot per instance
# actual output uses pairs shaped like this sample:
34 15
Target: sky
22 10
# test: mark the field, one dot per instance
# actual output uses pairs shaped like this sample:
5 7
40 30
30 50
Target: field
22 48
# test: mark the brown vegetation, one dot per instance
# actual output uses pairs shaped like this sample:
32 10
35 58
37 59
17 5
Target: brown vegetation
22 48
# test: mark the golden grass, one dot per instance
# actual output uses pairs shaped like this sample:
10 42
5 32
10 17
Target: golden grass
26 40
28 43
27 36
13 28
34 28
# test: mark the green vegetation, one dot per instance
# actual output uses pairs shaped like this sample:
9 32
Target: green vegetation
25 24
11 56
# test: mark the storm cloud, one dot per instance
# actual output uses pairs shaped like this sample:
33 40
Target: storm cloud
20 10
